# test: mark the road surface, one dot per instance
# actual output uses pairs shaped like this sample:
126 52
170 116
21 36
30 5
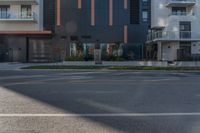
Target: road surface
34 101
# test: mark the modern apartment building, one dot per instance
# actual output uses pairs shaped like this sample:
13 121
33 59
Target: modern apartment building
50 30
175 30
25 33
107 22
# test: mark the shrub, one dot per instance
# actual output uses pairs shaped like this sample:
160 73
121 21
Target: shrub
75 58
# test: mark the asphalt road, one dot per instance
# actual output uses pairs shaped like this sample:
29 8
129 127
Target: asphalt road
99 102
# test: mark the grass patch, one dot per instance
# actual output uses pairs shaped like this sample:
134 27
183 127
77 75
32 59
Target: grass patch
112 67
64 67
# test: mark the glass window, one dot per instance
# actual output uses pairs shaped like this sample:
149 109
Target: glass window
144 16
26 12
178 11
4 12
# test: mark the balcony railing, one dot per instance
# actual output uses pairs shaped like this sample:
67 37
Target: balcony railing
181 2
173 35
17 16
181 14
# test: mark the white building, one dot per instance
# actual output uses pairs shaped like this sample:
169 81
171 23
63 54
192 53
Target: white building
21 15
175 29
23 37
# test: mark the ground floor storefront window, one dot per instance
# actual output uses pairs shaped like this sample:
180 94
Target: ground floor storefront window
109 51
133 51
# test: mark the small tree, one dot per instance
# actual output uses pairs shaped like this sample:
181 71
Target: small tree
116 48
79 47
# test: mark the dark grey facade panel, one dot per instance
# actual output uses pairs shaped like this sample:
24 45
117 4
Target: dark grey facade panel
77 22
49 9
134 11
3 50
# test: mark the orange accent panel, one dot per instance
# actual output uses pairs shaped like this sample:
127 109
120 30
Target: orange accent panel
93 12
79 4
125 4
58 13
125 34
110 12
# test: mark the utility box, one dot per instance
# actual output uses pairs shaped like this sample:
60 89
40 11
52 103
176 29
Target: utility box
97 54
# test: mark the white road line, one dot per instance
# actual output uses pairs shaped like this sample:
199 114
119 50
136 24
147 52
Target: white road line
104 115
51 79
157 80
126 80
20 77
48 75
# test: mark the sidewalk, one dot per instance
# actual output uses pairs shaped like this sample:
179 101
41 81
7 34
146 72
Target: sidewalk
17 66
12 66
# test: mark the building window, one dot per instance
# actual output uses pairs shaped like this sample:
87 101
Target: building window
26 12
144 16
4 12
145 2
179 11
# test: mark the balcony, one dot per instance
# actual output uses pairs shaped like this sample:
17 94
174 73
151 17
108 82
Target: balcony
18 2
173 36
180 3
12 17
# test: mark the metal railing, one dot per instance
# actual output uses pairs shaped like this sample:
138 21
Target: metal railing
181 1
4 1
181 14
173 35
17 16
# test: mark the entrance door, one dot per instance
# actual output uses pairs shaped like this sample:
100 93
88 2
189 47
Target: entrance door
14 55
186 48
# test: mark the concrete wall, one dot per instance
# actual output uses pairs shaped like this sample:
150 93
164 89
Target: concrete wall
159 13
169 51
187 64
195 48
117 63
